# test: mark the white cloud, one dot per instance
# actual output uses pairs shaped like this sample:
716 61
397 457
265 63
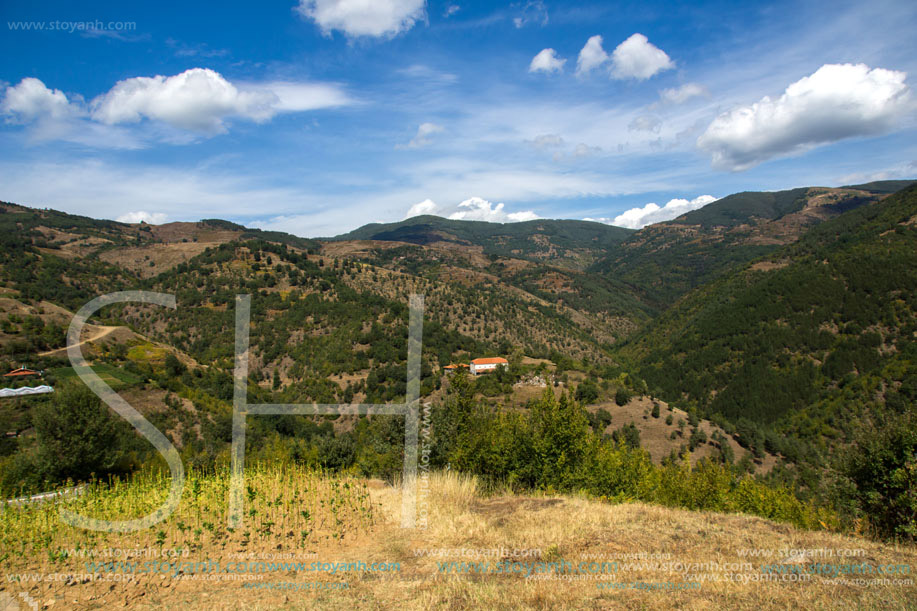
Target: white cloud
591 56
478 209
376 18
680 95
451 10
639 59
547 61
838 101
472 209
427 206
637 218
198 99
291 96
422 138
31 99
153 218
50 115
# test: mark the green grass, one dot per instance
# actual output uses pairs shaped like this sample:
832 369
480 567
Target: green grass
115 377
147 353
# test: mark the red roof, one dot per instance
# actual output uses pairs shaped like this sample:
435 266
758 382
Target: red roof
492 360
21 372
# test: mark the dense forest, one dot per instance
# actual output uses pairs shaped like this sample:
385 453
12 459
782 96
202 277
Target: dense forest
806 351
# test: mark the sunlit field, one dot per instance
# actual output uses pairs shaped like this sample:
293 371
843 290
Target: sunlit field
313 540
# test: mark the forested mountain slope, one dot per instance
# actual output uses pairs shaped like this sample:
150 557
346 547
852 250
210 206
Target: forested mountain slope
803 348
662 262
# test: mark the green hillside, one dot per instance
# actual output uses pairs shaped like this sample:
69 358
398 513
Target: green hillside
662 262
804 350
539 239
741 207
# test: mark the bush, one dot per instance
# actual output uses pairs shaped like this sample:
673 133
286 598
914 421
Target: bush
77 435
174 367
628 434
698 438
587 392
884 470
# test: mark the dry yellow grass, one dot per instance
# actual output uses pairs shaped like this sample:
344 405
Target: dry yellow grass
462 525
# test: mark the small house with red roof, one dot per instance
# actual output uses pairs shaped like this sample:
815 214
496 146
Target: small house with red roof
488 364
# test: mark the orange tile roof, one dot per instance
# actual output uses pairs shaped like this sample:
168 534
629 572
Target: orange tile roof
21 372
494 360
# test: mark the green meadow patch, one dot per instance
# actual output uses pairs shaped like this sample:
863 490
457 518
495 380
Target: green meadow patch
147 353
115 377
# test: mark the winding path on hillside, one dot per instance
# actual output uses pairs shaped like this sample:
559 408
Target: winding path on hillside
98 332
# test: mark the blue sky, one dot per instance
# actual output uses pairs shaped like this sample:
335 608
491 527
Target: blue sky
317 117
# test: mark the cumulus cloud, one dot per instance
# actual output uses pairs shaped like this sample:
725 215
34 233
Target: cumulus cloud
837 101
198 100
680 95
31 99
51 115
547 61
638 58
422 137
153 218
375 18
637 218
472 209
427 206
591 56
451 10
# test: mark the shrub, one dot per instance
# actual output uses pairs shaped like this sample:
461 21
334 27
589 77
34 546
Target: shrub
77 435
884 470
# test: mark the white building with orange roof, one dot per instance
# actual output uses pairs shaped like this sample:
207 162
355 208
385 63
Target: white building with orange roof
485 365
